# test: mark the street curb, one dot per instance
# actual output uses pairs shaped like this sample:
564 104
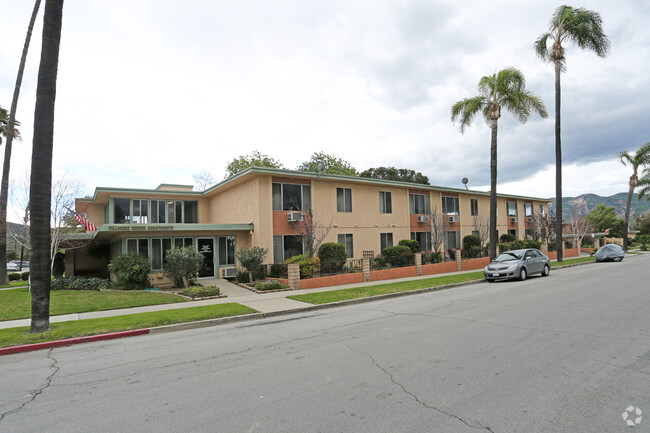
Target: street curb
71 341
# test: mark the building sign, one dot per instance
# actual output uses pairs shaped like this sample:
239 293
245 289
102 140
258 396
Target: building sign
142 228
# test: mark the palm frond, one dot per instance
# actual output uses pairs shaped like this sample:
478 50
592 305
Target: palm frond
541 47
466 109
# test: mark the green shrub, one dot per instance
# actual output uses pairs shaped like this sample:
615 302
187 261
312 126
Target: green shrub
270 285
131 272
473 252
379 262
24 276
412 244
13 276
80 283
398 255
251 259
507 237
200 292
332 256
433 257
470 241
307 264
242 276
182 265
643 241
277 270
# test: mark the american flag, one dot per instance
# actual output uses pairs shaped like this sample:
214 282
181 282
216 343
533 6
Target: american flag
90 227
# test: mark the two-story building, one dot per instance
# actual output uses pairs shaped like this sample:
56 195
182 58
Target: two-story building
276 209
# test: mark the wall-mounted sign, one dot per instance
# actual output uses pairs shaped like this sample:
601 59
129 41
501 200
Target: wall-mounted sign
142 228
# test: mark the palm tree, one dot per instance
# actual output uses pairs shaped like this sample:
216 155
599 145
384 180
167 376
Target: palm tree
505 89
584 28
640 159
40 194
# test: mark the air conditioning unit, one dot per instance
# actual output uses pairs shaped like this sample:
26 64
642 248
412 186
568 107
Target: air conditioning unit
293 217
529 219
229 272
514 220
453 219
423 218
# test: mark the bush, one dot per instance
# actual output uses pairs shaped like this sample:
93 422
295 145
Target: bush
519 244
379 262
434 257
413 245
507 237
131 272
242 276
14 276
473 252
307 264
270 285
470 241
182 265
80 283
398 255
251 259
278 270
332 256
643 241
24 276
200 292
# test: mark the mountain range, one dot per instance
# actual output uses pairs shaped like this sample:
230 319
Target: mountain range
590 201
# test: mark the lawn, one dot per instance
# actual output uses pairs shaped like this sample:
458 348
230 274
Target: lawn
81 328
15 284
16 304
572 261
382 289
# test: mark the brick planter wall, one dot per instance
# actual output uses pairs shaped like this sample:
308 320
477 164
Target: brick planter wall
439 268
471 264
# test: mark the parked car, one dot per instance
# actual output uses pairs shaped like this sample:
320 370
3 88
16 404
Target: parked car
518 264
610 253
12 267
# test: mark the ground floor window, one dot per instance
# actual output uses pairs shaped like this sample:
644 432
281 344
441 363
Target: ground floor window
347 240
139 247
183 242
159 248
424 238
385 241
452 240
513 232
286 246
226 250
530 234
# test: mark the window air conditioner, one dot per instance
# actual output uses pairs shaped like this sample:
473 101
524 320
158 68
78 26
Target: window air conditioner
293 217
423 218
229 272
453 219
514 219
529 219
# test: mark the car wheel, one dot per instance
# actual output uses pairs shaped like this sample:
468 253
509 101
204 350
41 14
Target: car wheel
489 281
618 259
523 274
546 272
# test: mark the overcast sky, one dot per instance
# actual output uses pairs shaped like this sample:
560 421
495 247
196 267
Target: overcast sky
152 92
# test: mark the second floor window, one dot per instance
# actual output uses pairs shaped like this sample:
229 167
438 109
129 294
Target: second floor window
528 209
343 199
139 211
512 208
385 202
474 206
289 196
450 205
419 204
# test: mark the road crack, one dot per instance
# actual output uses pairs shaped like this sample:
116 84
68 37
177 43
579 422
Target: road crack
38 391
468 422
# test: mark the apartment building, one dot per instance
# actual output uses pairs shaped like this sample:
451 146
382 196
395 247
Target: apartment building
276 209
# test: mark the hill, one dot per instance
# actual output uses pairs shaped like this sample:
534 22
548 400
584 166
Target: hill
590 201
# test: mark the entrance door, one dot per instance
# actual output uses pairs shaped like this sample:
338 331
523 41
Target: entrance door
206 247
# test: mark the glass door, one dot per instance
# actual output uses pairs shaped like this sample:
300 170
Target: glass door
206 247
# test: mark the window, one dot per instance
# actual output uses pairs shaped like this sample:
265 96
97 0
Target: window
473 203
140 211
385 241
514 233
528 209
158 211
174 211
191 211
121 211
286 246
183 242
419 204
385 202
139 247
512 208
159 248
530 233
450 205
343 200
346 239
476 233
424 238
452 240
226 250
287 196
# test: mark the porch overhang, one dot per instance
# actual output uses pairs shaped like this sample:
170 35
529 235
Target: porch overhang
110 231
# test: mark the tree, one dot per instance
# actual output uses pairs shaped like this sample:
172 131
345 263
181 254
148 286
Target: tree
251 259
396 174
41 177
603 218
10 132
65 189
642 223
331 165
505 89
182 264
437 229
255 159
203 180
311 231
578 223
584 28
481 224
639 159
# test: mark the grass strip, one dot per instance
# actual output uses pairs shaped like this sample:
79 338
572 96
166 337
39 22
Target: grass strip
572 261
15 284
382 289
81 328
16 303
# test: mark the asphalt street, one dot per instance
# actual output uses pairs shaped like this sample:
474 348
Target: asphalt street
565 353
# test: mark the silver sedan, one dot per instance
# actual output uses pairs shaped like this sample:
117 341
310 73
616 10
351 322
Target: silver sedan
518 264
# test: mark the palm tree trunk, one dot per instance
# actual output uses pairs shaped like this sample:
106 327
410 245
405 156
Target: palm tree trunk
559 242
626 221
40 195
494 237
4 186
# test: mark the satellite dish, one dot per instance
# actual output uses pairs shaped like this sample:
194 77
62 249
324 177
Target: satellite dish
465 180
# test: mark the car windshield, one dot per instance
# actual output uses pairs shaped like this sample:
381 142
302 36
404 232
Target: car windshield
507 256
